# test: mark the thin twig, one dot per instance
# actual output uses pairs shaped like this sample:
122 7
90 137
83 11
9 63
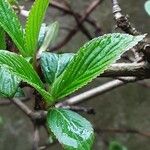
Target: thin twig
122 130
65 9
22 107
36 138
95 92
88 11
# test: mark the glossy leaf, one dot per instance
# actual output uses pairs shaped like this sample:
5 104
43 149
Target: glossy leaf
52 31
33 25
116 146
2 39
18 66
53 65
72 130
10 23
92 60
8 83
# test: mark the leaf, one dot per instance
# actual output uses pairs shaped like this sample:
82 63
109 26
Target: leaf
33 25
19 93
52 31
2 39
72 130
10 23
116 146
42 34
19 67
8 83
92 60
53 65
147 7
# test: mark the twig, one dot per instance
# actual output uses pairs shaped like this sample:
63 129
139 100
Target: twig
88 11
65 9
95 92
8 102
124 24
22 107
36 138
83 29
122 130
141 70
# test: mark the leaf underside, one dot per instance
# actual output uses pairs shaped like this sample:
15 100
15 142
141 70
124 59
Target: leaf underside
92 60
33 25
72 130
11 24
53 65
8 83
51 34
19 67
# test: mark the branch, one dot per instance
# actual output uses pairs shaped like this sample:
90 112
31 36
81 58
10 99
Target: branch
22 107
95 92
88 11
65 9
141 70
122 130
36 138
124 24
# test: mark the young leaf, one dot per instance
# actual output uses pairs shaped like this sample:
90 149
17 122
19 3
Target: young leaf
2 39
10 23
92 60
18 66
42 34
8 83
19 93
72 130
116 146
33 25
52 31
53 65
147 7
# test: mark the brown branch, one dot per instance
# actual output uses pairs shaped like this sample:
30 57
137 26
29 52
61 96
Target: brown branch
22 107
122 130
95 92
83 29
65 9
8 102
36 138
88 11
141 70
124 24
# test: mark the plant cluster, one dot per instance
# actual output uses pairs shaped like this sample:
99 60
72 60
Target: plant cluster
63 73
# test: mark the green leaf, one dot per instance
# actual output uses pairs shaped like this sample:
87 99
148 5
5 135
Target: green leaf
72 130
10 23
53 65
18 66
92 60
42 34
33 25
19 93
116 146
2 39
8 83
147 7
52 31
